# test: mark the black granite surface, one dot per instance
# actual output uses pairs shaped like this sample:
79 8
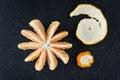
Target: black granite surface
16 14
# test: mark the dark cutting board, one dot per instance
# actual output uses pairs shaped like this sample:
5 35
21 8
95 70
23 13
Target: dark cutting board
16 14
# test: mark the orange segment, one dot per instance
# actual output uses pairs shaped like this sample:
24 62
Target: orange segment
51 58
52 29
41 61
29 45
62 45
61 54
34 55
31 35
38 28
59 36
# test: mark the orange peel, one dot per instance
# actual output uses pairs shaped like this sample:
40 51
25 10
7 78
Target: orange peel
85 59
90 30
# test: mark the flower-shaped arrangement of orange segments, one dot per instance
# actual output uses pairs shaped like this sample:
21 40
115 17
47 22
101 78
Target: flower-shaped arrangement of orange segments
46 45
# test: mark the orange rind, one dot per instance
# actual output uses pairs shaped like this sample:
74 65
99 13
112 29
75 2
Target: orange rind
85 59
90 30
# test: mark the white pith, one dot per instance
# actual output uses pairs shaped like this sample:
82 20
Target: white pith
46 45
85 59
